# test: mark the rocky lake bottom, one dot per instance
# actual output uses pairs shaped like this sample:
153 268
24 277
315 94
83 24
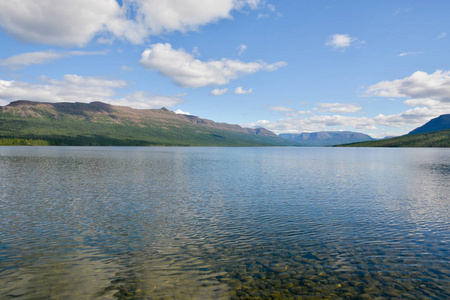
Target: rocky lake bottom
224 223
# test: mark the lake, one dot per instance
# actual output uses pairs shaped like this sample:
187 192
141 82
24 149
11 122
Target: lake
224 223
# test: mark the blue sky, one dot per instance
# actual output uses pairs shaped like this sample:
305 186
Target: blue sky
378 67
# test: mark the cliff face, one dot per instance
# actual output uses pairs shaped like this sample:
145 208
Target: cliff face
81 121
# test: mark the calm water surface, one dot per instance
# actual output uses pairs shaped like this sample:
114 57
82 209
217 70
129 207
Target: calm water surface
224 223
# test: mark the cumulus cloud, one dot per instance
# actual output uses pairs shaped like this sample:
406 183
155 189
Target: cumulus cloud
429 98
315 123
340 108
65 23
218 92
397 124
340 41
187 71
41 57
417 86
240 91
425 102
75 23
71 88
75 88
442 35
401 123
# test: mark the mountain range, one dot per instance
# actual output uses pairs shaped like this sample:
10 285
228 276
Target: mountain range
25 122
326 138
102 124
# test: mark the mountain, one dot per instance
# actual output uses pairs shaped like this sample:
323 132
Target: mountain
435 133
440 123
439 138
326 138
102 124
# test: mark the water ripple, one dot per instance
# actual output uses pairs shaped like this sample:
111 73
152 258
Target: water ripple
224 223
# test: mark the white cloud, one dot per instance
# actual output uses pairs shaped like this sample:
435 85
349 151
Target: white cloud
419 85
241 49
71 88
187 71
316 123
340 41
429 98
442 35
409 53
340 108
74 88
145 100
240 91
41 57
218 92
397 124
64 23
401 123
425 102
75 23
281 109
180 112
287 111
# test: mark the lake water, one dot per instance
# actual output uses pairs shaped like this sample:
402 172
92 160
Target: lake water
224 223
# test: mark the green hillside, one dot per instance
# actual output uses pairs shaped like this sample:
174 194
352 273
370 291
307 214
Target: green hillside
100 124
22 142
430 139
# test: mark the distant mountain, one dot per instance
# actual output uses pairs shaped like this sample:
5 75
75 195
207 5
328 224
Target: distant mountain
326 138
439 139
102 124
440 123
435 133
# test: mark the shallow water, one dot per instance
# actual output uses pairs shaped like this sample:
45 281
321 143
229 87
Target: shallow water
224 223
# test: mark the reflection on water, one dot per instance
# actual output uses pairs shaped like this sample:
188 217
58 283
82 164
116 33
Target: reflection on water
224 223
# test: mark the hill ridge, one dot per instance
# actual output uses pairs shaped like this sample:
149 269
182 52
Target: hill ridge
440 123
98 123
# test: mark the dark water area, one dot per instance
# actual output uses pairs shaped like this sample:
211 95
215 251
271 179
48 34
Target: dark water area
224 223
